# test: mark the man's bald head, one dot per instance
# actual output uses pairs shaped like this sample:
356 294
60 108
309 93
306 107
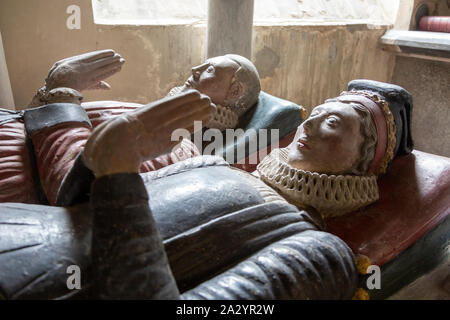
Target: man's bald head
230 80
248 77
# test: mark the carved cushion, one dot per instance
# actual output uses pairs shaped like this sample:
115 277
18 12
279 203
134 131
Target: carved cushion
414 198
269 113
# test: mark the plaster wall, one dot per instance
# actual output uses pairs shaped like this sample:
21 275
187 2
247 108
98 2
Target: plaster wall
302 63
428 82
308 64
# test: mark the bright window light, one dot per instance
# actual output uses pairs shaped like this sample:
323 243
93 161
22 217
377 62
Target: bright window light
162 12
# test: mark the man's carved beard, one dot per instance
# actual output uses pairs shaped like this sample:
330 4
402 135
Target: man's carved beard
189 84
222 117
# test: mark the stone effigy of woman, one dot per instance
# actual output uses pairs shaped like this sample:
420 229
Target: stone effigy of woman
200 229
339 151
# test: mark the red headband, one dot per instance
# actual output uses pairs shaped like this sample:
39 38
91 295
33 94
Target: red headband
380 124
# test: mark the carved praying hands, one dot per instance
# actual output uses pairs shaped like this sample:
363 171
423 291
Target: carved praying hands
85 71
67 77
121 144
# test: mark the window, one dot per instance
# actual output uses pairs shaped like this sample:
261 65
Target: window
163 12
145 12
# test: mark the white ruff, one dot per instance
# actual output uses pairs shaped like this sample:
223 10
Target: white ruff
331 195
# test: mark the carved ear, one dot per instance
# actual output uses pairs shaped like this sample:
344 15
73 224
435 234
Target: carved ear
235 92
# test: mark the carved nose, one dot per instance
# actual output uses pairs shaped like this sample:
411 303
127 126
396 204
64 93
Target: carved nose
307 126
195 73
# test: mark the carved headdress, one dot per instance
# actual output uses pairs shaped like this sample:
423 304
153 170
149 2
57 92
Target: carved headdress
400 104
390 109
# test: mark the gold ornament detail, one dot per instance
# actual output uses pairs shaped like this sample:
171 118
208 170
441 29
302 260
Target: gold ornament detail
363 263
361 294
303 113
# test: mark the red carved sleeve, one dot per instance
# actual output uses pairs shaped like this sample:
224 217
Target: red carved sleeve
16 178
56 149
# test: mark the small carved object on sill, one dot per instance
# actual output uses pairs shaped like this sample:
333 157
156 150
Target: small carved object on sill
435 24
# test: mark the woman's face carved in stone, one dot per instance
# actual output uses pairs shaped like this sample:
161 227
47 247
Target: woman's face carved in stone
213 78
329 141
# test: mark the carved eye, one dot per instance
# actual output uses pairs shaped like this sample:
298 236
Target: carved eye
210 69
332 121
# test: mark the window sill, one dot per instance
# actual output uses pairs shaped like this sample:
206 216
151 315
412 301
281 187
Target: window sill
368 24
419 44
